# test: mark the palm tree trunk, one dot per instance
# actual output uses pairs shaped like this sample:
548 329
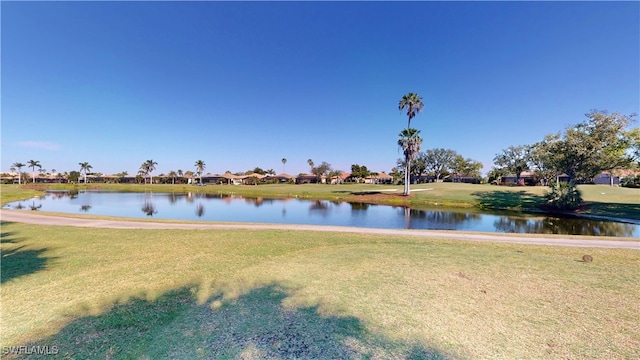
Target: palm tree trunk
407 177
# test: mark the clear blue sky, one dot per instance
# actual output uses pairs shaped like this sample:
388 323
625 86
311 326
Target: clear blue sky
241 85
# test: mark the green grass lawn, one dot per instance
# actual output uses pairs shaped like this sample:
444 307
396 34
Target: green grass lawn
121 294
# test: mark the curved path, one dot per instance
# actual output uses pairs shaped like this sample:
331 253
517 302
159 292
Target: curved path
31 218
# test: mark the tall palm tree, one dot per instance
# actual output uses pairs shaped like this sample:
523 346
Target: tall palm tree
410 143
413 103
200 166
284 162
147 167
33 164
408 138
19 166
84 168
310 162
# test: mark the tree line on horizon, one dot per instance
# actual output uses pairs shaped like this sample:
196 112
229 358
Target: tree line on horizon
603 142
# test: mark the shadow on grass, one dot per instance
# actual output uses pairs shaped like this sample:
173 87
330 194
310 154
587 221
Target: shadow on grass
502 199
254 326
614 210
16 260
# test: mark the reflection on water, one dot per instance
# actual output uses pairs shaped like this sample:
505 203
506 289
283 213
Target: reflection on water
148 206
555 225
356 206
438 219
35 207
200 210
230 208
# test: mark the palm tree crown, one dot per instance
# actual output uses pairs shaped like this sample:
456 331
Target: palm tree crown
84 168
200 166
410 143
147 167
19 166
33 164
413 103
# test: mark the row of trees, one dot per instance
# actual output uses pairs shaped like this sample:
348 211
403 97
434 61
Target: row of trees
603 142
441 163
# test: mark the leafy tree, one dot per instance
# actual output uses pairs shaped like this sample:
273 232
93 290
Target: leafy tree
597 144
323 169
465 167
19 166
73 176
514 159
495 175
617 142
410 143
33 164
396 174
419 165
359 172
200 166
541 158
439 161
257 170
84 168
634 143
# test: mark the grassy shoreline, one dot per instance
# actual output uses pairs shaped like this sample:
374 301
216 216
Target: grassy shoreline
600 200
98 293
116 293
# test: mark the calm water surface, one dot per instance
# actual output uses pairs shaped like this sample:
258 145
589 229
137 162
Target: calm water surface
226 208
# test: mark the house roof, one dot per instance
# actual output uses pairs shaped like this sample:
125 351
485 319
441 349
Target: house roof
283 175
256 175
342 176
380 176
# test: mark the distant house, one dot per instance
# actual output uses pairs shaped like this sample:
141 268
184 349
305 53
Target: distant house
281 178
340 179
311 179
526 178
605 179
380 178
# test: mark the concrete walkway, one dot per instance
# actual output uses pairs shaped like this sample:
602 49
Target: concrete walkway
40 219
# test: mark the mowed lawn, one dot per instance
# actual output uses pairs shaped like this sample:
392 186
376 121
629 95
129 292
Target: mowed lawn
124 294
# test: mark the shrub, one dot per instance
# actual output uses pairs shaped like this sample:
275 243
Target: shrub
563 196
631 181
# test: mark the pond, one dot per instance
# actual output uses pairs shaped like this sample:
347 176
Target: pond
229 208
